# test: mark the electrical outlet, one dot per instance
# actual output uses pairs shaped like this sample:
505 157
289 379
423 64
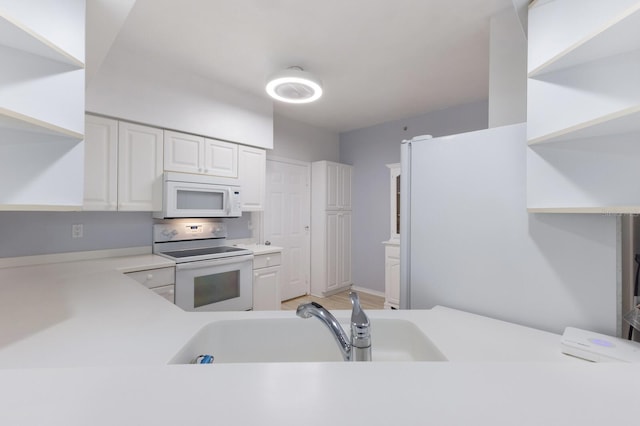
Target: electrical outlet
77 230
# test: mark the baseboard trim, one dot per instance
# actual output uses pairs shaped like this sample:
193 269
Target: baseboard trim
368 291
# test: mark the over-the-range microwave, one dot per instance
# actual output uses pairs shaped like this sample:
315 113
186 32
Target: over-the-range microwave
193 195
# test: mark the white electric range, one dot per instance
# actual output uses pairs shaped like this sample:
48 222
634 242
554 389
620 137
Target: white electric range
210 275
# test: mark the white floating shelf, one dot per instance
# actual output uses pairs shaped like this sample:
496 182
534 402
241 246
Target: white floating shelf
594 210
16 35
617 36
14 120
39 207
620 122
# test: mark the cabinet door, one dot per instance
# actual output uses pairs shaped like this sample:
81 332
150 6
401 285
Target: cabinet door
100 164
167 291
183 152
220 158
266 289
392 276
140 162
344 187
344 249
252 173
333 250
333 192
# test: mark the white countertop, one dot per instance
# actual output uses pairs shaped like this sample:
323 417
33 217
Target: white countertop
259 249
117 335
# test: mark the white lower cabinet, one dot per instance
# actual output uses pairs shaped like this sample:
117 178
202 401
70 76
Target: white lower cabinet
123 166
266 282
391 275
160 280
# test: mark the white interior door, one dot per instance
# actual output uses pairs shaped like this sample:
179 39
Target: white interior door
286 222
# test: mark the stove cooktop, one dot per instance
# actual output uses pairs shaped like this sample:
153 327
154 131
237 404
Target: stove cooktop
207 251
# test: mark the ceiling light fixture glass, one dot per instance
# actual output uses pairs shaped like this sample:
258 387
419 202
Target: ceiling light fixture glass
294 85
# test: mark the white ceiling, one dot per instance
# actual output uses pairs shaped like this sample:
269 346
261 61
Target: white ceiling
379 60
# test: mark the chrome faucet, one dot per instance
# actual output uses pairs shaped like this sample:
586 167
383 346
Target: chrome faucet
356 348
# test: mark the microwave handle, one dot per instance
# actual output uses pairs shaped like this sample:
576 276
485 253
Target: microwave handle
229 201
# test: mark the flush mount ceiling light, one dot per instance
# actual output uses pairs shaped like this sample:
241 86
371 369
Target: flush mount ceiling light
294 85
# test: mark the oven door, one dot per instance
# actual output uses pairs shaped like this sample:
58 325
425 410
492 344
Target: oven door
224 284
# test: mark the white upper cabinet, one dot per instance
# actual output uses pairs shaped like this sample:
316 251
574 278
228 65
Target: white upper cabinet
252 173
140 161
220 158
101 163
583 106
183 152
195 154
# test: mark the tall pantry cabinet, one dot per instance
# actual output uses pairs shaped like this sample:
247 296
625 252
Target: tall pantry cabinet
330 227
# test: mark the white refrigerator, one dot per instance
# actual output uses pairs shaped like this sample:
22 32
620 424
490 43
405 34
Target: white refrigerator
468 242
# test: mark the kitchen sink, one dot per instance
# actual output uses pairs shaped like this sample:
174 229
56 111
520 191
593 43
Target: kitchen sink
297 340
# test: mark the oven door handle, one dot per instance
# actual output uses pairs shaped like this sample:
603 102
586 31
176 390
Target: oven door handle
199 264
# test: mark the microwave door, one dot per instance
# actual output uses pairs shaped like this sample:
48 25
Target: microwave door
195 200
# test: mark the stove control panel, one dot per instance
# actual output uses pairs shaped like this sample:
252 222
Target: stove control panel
194 229
180 231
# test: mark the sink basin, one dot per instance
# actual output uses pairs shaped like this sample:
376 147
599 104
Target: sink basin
298 340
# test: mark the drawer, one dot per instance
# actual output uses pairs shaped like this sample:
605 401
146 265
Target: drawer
166 291
266 260
154 277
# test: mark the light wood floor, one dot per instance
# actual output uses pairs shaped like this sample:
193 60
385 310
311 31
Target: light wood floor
337 301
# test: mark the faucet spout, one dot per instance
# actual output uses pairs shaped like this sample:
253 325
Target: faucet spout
360 331
314 309
356 348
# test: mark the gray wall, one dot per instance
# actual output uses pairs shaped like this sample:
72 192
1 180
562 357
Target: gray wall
32 233
507 70
368 150
303 142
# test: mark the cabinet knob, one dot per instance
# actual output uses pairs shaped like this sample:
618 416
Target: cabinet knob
149 276
268 259
255 275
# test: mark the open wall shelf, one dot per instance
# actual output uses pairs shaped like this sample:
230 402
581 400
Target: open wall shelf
620 35
592 210
625 121
16 35
15 121
583 107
